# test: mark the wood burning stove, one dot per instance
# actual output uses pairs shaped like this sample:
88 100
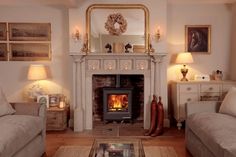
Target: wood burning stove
117 104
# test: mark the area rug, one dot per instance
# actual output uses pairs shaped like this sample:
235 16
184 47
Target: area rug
83 151
115 130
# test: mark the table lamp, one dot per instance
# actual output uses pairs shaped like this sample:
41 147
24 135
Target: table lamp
36 72
184 58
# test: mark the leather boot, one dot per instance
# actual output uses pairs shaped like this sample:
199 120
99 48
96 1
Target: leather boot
160 119
153 124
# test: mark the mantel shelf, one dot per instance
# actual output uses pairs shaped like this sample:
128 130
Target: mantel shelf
117 54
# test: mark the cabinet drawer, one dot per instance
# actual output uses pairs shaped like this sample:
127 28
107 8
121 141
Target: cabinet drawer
210 96
188 88
56 126
54 115
210 88
188 97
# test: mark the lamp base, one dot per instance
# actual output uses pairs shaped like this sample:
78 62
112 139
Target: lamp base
184 72
184 79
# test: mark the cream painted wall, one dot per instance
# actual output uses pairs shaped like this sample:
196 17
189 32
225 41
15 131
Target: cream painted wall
233 47
13 75
216 15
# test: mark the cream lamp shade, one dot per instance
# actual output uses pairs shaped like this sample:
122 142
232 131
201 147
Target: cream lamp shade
184 58
37 72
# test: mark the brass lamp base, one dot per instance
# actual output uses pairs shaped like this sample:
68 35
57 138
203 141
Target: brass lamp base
184 79
184 72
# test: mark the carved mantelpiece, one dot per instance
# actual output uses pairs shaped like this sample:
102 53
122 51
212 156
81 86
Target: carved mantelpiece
87 65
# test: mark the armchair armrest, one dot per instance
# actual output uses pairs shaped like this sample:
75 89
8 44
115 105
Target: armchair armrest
26 108
33 109
202 106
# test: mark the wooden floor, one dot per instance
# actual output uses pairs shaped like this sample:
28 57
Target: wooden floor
171 137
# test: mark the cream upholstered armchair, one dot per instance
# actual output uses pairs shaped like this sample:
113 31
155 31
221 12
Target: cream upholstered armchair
24 129
210 127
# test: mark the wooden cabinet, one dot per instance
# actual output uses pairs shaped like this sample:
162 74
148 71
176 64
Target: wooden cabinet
185 92
57 118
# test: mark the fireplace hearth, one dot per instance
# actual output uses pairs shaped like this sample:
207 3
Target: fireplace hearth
117 104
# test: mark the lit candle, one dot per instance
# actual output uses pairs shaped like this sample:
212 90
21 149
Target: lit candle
62 104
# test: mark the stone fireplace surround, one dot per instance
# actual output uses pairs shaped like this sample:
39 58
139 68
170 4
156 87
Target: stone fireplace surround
151 66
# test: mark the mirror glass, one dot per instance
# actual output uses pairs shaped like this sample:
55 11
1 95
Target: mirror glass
134 34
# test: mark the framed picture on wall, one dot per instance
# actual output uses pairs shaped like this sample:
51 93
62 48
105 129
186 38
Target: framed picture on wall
3 31
30 52
198 38
29 31
3 52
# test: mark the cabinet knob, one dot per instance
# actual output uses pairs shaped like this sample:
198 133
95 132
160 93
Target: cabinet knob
211 88
189 99
189 88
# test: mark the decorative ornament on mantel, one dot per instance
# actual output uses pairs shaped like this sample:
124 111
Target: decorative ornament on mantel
112 21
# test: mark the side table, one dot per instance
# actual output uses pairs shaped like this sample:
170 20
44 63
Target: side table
56 118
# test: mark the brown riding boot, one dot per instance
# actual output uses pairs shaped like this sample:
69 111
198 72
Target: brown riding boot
153 117
160 119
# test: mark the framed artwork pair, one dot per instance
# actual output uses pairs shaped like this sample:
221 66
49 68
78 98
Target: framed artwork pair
25 41
198 39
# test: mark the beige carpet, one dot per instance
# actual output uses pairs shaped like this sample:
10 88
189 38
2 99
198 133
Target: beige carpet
83 151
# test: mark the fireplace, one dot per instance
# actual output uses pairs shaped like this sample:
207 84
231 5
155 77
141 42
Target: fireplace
152 66
117 104
130 86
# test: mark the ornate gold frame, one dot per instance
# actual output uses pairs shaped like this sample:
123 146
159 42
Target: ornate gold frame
87 45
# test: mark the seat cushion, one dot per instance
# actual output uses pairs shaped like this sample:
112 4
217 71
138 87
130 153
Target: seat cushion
216 131
17 131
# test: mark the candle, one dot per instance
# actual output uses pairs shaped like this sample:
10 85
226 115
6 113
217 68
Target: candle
62 104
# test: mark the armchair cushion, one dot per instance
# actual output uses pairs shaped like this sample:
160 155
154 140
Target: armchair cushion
5 107
228 105
216 131
18 130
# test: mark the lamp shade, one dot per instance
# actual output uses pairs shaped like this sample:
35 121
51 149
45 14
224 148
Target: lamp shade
37 72
184 57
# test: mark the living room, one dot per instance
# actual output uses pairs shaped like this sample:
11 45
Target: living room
165 28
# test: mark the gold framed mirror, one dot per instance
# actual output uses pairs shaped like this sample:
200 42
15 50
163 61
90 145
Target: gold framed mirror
136 16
